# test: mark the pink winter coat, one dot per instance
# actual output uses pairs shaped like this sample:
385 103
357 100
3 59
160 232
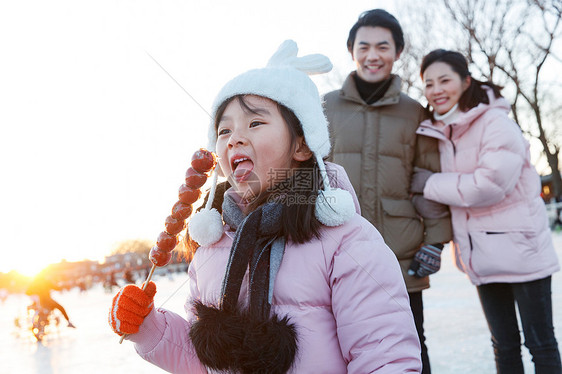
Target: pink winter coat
500 226
344 292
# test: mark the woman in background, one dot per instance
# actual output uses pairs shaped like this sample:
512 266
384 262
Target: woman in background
501 235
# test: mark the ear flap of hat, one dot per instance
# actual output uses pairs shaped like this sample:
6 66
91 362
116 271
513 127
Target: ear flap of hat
334 206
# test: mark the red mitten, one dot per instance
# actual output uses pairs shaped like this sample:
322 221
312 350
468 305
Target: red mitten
129 307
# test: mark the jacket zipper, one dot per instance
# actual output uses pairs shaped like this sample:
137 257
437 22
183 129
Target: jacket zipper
378 212
451 140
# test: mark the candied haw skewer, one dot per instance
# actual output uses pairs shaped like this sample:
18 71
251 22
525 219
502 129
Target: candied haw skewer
188 195
173 225
158 257
202 163
181 211
195 179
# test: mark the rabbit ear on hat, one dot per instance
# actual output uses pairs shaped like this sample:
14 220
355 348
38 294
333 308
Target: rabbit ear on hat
284 52
286 55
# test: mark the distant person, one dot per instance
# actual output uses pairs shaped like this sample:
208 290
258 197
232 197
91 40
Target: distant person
110 281
128 276
41 287
294 280
373 129
501 236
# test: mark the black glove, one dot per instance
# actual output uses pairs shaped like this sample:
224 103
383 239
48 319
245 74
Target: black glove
419 178
426 261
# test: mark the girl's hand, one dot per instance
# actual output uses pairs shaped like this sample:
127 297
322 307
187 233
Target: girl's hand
129 308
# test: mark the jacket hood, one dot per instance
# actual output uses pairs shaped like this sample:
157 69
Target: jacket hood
474 113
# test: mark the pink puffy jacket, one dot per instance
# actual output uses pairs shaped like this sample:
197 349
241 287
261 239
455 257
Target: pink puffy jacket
344 292
499 220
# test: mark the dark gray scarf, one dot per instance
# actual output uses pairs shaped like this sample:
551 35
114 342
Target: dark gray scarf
229 339
270 221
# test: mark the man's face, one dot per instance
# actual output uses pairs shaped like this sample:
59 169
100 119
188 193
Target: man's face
374 53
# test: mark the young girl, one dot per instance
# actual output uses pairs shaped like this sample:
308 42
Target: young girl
501 235
294 280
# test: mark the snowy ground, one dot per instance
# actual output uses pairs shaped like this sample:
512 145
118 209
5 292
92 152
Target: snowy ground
457 336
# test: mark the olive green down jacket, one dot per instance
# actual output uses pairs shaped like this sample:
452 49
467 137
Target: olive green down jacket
378 147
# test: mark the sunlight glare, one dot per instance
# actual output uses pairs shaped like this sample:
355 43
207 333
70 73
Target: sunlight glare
30 268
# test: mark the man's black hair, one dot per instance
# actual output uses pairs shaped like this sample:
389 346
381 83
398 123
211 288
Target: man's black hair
378 18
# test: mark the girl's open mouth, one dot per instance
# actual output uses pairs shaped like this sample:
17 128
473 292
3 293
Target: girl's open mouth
242 168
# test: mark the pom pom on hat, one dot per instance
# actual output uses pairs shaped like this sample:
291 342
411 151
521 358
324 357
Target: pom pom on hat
334 207
205 227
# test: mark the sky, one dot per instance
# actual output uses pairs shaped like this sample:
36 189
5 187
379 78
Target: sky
95 131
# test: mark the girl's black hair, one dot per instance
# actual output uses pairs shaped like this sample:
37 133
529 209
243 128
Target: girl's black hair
475 93
297 195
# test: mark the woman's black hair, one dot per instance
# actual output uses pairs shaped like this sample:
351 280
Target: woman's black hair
297 195
475 93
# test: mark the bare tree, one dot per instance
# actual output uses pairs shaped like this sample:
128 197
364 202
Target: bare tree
510 42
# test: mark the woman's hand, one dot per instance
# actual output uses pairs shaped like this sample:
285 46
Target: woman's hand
419 178
429 208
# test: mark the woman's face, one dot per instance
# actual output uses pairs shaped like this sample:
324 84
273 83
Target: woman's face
255 148
443 86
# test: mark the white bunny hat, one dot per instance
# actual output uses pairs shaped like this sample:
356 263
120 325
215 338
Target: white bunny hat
284 80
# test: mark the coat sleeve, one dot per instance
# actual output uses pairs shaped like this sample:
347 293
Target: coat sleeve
437 230
163 338
374 321
501 155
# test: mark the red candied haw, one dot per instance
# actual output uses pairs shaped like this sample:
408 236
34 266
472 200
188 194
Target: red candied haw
166 242
159 257
174 226
203 160
181 210
194 179
188 195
